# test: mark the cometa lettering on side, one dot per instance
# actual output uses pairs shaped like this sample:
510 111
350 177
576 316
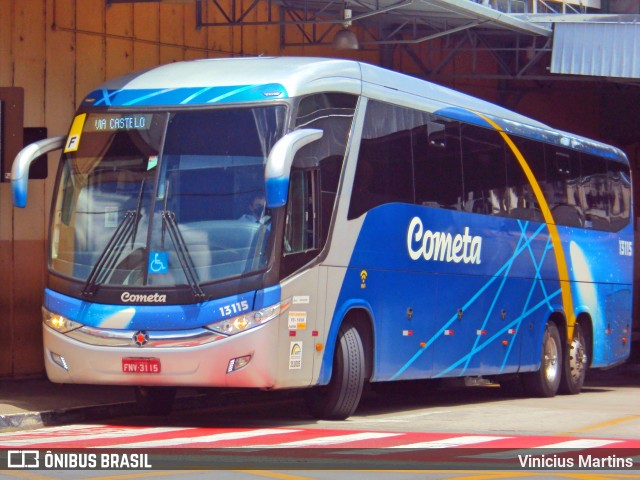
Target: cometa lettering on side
441 246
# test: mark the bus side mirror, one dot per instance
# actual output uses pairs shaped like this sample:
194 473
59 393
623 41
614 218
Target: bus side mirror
22 162
279 164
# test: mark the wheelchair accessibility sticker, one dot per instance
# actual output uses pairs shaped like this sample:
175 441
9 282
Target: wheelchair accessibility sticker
158 262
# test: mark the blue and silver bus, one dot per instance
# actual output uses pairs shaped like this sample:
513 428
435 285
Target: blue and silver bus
280 223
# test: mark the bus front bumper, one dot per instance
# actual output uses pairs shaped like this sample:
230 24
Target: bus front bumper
247 359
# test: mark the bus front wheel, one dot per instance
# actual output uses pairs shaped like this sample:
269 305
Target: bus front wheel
574 365
339 399
546 381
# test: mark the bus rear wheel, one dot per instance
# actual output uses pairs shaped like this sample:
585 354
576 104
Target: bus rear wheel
575 362
546 381
339 399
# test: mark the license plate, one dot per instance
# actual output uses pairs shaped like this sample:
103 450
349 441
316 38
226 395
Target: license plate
141 365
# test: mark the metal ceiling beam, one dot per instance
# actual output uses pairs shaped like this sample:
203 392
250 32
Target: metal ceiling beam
310 17
510 40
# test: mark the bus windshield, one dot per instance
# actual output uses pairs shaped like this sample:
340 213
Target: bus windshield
164 198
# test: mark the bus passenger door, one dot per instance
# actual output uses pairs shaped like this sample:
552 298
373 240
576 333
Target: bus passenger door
300 284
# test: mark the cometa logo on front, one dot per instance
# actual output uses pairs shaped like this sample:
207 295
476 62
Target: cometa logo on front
441 246
128 297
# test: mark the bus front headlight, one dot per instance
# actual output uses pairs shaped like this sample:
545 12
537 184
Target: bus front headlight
58 322
240 323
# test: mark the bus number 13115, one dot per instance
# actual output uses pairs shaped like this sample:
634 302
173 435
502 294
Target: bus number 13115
234 308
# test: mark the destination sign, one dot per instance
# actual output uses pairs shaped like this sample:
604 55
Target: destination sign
113 122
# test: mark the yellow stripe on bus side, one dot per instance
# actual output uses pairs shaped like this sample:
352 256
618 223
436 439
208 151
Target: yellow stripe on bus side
558 251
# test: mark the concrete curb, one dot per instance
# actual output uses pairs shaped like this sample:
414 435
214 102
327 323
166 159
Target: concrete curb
30 420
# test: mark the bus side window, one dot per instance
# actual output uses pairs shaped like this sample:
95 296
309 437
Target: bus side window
563 176
619 186
484 171
384 173
330 168
301 242
593 192
437 164
520 199
301 223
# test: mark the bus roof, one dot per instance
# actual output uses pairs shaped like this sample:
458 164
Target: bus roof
253 79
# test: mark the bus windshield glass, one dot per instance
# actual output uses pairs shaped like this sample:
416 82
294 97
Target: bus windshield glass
164 198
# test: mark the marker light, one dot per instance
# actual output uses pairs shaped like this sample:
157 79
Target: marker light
238 363
241 323
58 322
59 359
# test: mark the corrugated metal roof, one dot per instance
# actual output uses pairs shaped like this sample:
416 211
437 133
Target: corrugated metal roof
607 49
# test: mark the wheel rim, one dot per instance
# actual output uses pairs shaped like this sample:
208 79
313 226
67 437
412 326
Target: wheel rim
577 358
551 365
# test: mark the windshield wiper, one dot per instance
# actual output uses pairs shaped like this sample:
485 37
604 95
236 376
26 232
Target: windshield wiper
111 252
126 229
180 246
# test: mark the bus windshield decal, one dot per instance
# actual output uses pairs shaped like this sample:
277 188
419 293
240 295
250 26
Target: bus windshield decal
73 140
441 246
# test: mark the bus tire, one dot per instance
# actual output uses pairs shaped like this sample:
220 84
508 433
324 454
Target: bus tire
339 399
546 381
155 401
574 364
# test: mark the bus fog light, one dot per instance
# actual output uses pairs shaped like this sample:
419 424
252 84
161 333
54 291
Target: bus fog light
59 360
238 363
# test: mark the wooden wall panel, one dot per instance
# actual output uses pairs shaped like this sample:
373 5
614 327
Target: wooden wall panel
119 57
59 82
6 292
90 15
6 279
220 40
90 47
171 32
6 223
29 47
28 42
267 37
62 14
194 39
145 55
6 57
146 32
60 99
146 21
119 40
90 53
